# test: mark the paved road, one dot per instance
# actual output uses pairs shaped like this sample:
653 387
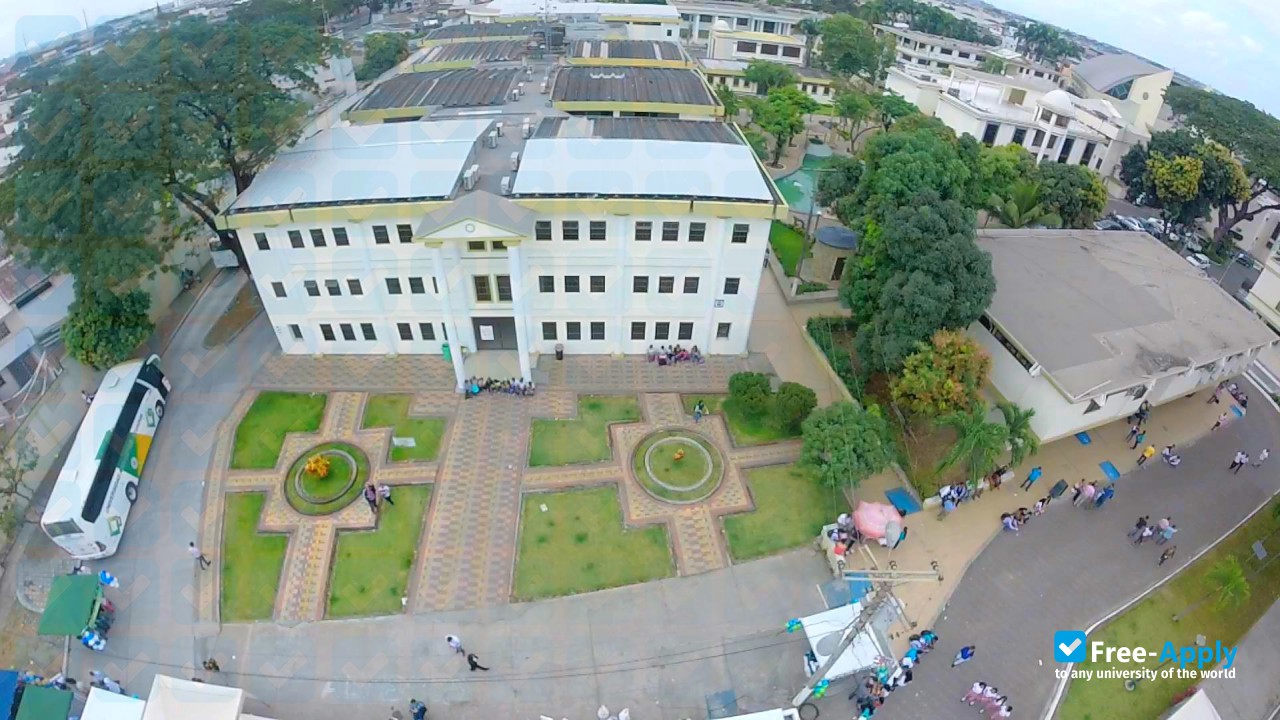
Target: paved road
1073 567
1255 693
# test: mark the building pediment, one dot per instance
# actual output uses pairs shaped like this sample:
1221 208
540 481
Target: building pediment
477 215
471 229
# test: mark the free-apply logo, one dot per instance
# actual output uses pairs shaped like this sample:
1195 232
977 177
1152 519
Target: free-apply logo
1069 646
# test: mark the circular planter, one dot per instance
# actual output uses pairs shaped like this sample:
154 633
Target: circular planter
312 495
692 478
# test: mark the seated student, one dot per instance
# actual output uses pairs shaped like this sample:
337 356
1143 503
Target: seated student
696 355
1008 522
1175 460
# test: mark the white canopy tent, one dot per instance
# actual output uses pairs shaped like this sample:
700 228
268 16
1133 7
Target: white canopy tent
174 699
1196 707
106 705
826 629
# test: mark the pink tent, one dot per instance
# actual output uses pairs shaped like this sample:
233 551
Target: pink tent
872 519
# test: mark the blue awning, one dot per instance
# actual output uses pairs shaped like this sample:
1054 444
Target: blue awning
8 688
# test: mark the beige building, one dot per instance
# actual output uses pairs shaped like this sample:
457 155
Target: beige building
1133 85
726 44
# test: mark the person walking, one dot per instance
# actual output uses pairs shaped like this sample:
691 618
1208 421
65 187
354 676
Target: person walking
1075 492
1262 457
417 710
1146 532
1138 526
87 397
1168 553
1032 477
455 642
1240 459
965 654
199 557
212 665
1133 432
1003 711
1107 493
1165 534
384 492
1138 439
371 497
474 663
1087 494
1147 453
975 693
1221 419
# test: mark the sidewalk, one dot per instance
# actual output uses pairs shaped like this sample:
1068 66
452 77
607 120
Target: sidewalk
1255 692
956 541
778 330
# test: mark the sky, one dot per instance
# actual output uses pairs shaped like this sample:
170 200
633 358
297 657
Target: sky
37 21
1231 45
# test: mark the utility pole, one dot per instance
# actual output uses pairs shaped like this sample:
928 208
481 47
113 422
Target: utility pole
879 597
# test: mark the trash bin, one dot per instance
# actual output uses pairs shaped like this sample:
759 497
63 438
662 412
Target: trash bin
559 351
1058 489
444 348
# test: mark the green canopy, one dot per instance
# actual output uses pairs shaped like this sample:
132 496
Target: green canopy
44 703
71 602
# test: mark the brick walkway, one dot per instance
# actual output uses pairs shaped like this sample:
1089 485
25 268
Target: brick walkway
405 373
632 373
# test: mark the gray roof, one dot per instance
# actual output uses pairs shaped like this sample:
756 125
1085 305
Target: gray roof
482 30
631 84
637 128
475 51
1104 311
482 206
1107 71
628 49
837 236
467 87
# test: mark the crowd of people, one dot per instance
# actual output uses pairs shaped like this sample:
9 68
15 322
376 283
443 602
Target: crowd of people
672 354
888 676
988 700
509 386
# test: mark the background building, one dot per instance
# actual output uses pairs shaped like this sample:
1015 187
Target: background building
1133 85
697 19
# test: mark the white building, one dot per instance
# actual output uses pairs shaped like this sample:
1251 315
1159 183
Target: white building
698 19
1086 325
922 51
1257 235
725 44
635 21
1036 114
33 305
517 228
1135 86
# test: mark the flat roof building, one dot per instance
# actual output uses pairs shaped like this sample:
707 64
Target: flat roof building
633 53
698 18
817 84
673 92
1086 325
414 95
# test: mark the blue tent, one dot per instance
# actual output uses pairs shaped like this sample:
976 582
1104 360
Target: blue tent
8 688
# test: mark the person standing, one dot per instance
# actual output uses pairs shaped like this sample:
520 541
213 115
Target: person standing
1075 492
1166 534
455 642
1238 462
1147 453
1032 477
1147 532
1221 419
384 492
1262 457
212 665
371 497
1133 432
87 397
1107 493
1138 439
199 557
1139 526
965 654
417 709
1088 493
974 694
1168 553
474 663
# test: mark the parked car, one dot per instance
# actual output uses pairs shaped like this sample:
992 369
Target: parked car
1199 262
1108 224
1193 244
1155 226
1248 260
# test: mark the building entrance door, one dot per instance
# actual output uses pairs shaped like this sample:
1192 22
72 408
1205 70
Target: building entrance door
495 333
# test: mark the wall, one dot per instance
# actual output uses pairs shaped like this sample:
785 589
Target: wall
922 95
1147 96
822 94
1264 297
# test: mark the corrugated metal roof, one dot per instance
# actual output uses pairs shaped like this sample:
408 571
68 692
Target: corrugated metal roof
631 84
628 49
637 128
476 51
482 30
467 87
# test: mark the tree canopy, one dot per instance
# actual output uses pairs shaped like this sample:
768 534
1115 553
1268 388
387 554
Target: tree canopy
103 329
1072 192
1024 207
927 19
768 75
781 115
1046 43
382 51
942 376
850 48
846 444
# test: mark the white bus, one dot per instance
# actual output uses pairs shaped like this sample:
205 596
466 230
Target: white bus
99 481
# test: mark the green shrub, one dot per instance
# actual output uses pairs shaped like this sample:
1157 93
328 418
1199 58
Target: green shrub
791 405
751 392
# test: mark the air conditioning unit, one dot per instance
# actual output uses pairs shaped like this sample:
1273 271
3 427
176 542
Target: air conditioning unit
493 139
526 130
506 185
498 129
470 176
544 87
515 161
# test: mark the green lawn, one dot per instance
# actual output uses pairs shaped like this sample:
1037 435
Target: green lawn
787 244
683 473
329 492
792 505
745 429
1149 624
371 568
273 414
393 411
585 439
580 545
251 561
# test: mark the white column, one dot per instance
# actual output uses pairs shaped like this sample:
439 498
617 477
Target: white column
451 328
519 309
622 235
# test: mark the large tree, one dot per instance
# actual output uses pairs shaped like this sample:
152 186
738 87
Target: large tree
781 115
1000 167
1072 192
382 51
942 376
1023 206
768 75
846 444
925 18
850 48
1221 183
1046 43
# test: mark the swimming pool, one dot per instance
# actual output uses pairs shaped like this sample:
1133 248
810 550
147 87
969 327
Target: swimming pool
798 187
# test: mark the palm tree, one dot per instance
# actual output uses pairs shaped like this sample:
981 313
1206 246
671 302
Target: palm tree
1230 586
1022 441
1023 208
978 441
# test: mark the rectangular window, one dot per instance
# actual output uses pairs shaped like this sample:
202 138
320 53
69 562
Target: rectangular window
569 230
686 331
416 286
640 283
989 134
333 288
731 286
1037 138
317 238
691 286
1087 155
722 330
597 283
596 230
637 331
380 235
666 285
295 331
597 331
697 231
746 47
547 283
366 329
740 232
278 289
427 330
348 332
340 237
476 245
484 291
405 232
1053 142
295 239
1019 136
573 331
542 230
662 331
393 286
261 239
354 287
548 331
498 246
768 49
312 288
571 284
791 52
504 287
644 230
326 332
670 231
405 331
